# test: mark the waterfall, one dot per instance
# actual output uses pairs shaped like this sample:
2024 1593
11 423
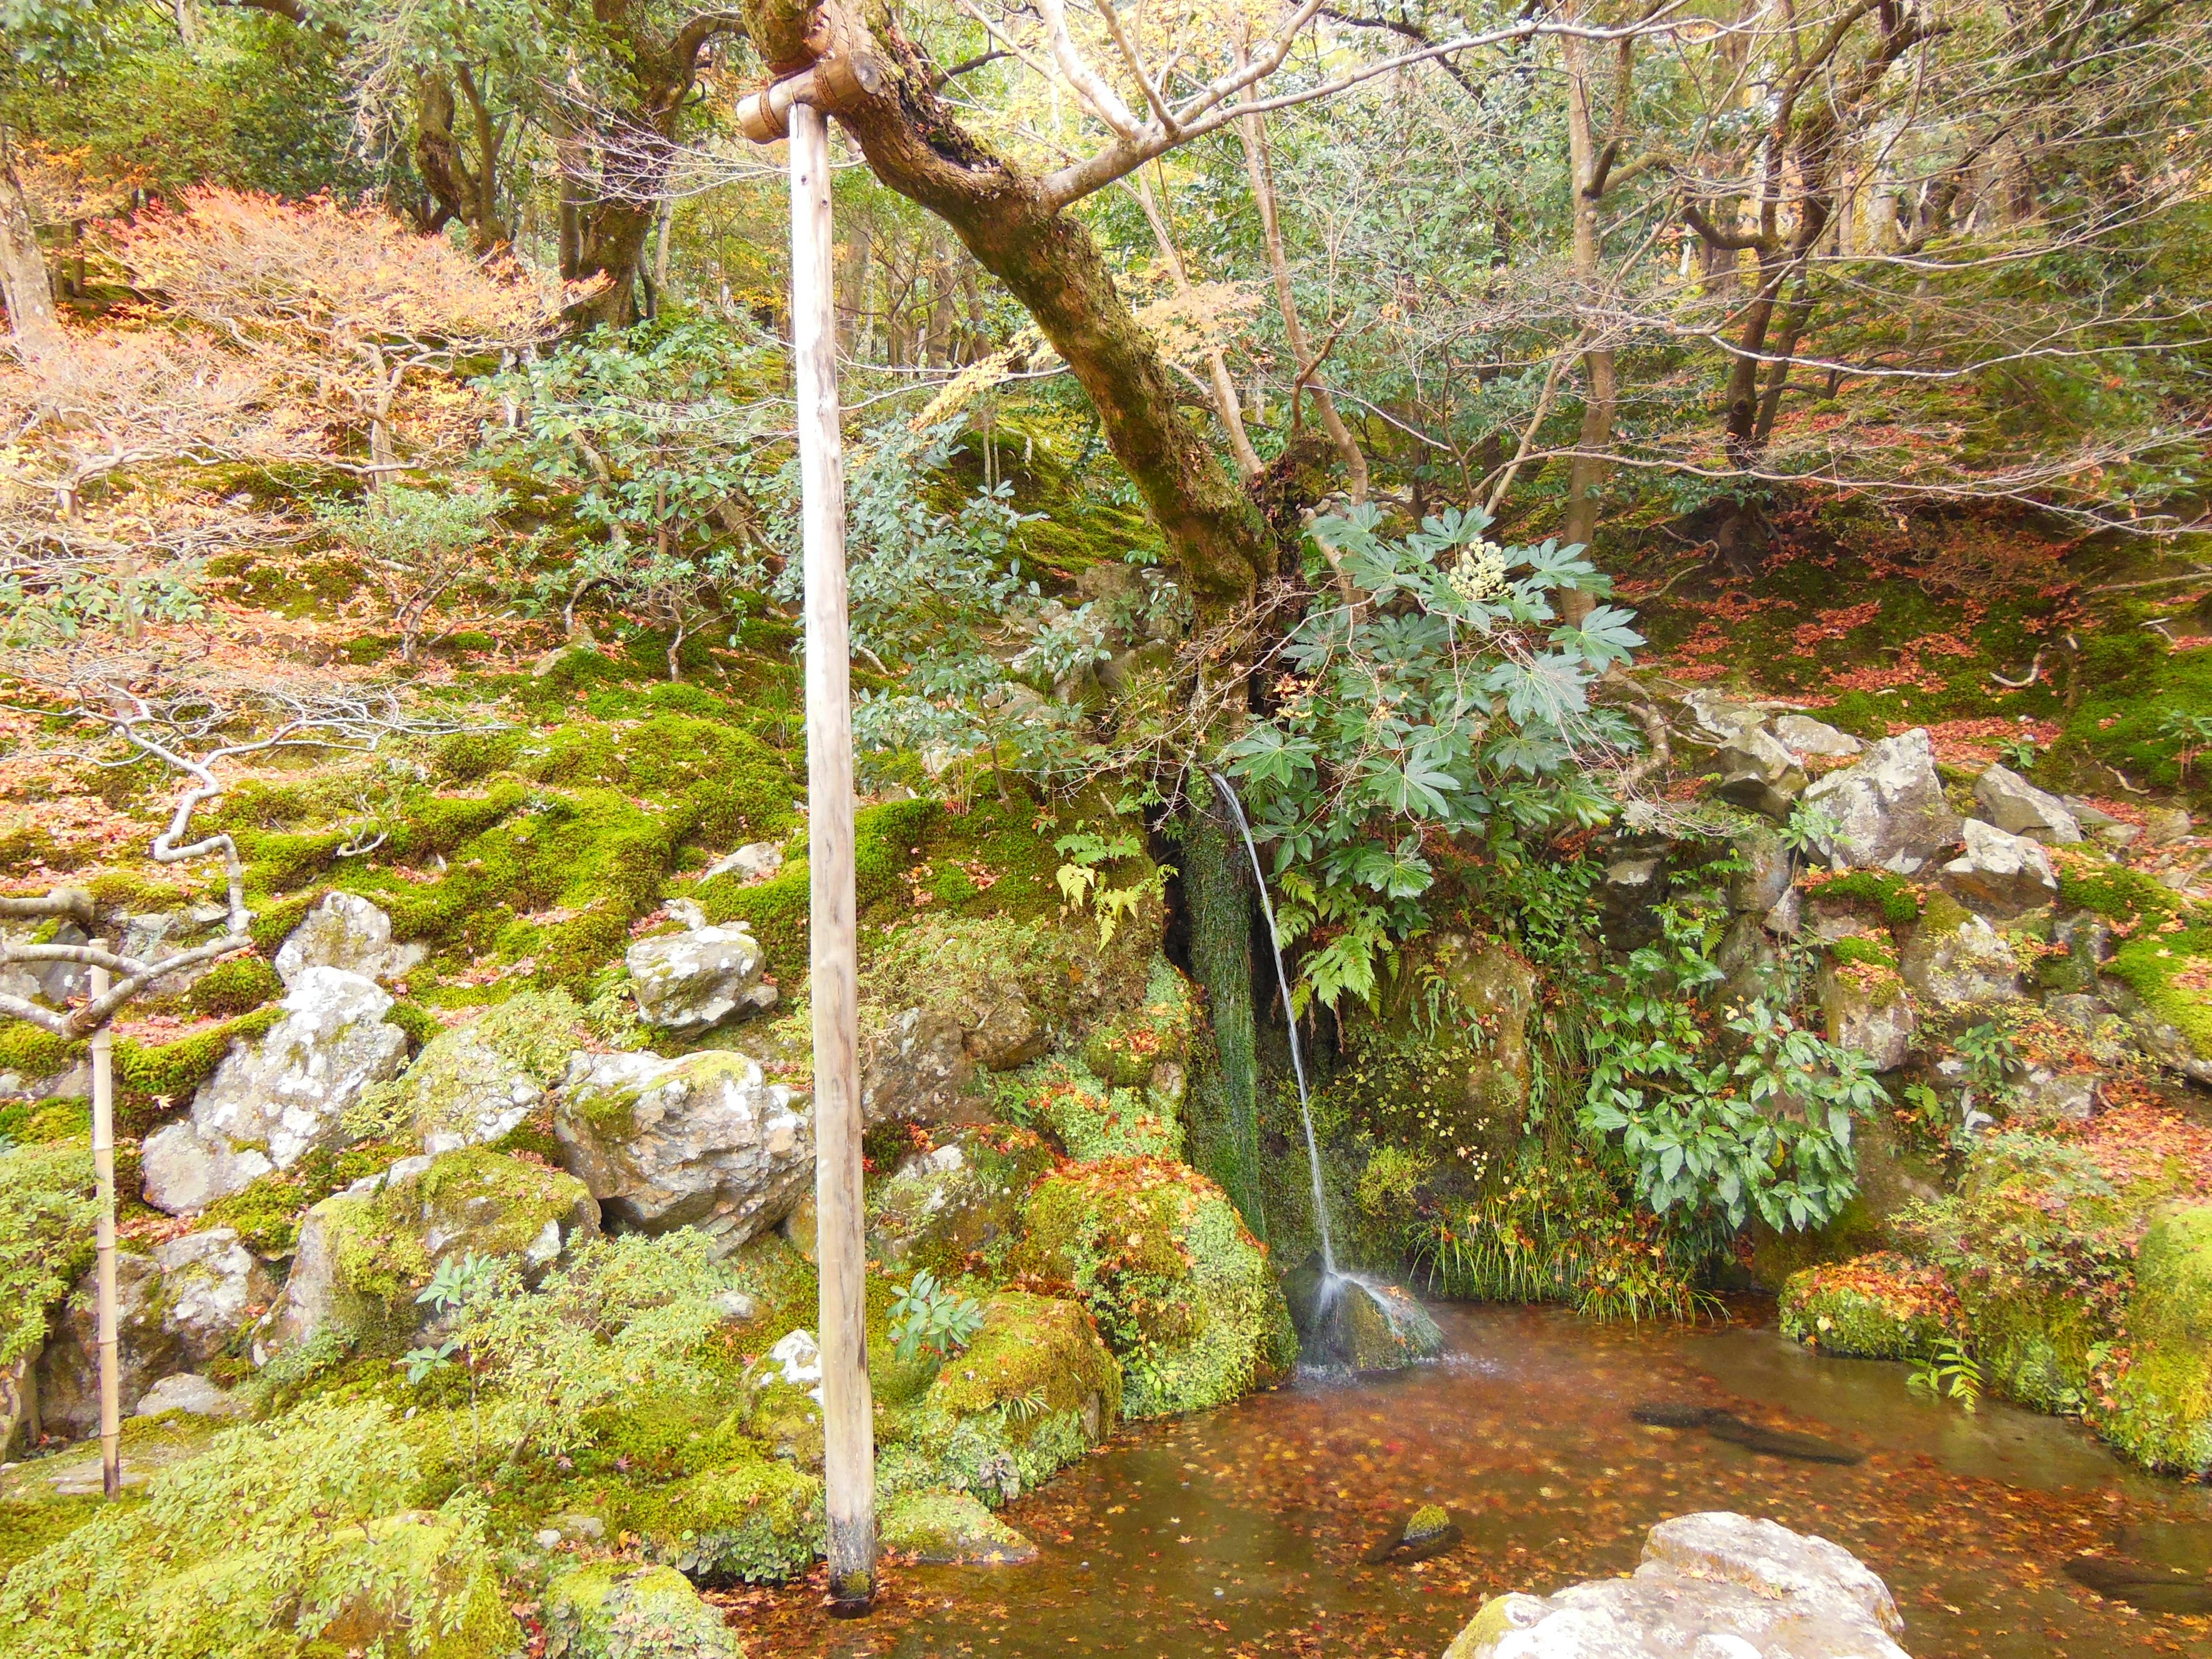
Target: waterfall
1298 1061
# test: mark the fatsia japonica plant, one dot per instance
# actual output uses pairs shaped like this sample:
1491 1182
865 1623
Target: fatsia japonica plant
1441 691
1721 1112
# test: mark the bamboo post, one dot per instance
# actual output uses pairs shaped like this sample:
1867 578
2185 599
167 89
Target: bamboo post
103 1165
848 1411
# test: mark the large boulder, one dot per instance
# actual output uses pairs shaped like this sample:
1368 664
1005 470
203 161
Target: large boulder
915 1068
68 1369
2017 806
1162 1258
952 1529
704 1141
1035 1390
1803 736
212 1287
474 1084
1716 1584
1954 962
1864 1001
345 931
695 980
1888 810
1999 873
1360 1323
366 1253
271 1103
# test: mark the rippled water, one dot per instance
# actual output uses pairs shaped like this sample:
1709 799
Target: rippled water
1241 1532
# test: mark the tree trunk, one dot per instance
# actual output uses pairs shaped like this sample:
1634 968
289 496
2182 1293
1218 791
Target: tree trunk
1049 262
24 282
1601 390
1253 129
1225 1123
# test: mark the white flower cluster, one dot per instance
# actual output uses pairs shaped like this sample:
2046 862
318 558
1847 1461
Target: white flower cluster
1481 572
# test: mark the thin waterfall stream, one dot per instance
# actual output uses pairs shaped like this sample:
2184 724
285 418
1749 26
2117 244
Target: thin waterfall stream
1290 1023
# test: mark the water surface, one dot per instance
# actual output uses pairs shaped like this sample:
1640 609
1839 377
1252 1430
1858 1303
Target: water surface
1239 1532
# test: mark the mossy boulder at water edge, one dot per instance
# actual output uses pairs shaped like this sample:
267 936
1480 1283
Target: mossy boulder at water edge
951 1529
1878 1306
619 1610
1182 1292
2161 1407
1035 1390
364 1254
753 1519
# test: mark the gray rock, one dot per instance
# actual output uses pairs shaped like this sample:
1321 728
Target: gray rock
2005 875
1803 736
703 1141
346 931
488 1094
1719 717
1709 1586
1888 810
2018 807
71 1083
184 1392
1361 1323
270 1103
1633 884
211 1286
2161 1040
56 983
1763 881
1787 915
2043 1095
1758 775
1751 967
1009 1034
1867 1009
2166 825
1967 966
917 1070
693 981
69 1370
153 937
754 861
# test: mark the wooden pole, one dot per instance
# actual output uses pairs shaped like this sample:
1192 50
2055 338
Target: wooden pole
103 1167
847 1408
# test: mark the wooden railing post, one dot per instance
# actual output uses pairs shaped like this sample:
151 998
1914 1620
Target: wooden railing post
103 1169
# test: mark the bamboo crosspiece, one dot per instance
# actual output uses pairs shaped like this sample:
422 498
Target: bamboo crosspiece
848 1406
103 1168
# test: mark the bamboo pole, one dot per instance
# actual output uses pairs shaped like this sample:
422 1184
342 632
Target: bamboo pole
103 1166
847 1411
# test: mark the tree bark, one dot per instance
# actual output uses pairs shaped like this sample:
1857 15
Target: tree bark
24 281
1049 262
1600 390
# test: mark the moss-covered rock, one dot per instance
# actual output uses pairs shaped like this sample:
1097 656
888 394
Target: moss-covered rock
753 1519
1091 1118
2160 1411
618 1610
365 1252
958 1203
1182 1292
475 1084
1877 1307
951 1529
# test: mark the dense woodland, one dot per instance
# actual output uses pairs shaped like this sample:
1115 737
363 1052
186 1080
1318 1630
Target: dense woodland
1681 524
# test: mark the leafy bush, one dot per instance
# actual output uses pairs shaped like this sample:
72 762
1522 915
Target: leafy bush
928 1317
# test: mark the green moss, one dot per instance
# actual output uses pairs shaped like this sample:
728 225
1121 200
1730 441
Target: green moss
1865 951
236 987
420 1024
278 862
463 1076
1181 1289
1035 1356
1896 898
1090 1119
950 1528
2131 685
467 755
441 823
46 1235
2154 968
28 1528
2113 891
1224 1104
754 1521
619 1610
273 923
35 1052
2161 1406
64 1118
266 1212
778 908
951 1221
171 1071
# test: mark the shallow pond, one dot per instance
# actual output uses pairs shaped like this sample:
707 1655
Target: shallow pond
1243 1532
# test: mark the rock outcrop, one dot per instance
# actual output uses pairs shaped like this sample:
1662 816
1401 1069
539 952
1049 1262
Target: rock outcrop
1887 811
705 1141
474 1084
1999 873
2017 806
273 1102
1711 1586
346 931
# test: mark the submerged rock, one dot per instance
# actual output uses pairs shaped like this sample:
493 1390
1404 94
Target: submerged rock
271 1103
346 931
1427 1532
1888 810
705 1141
952 1529
1358 1322
1752 1437
1716 1584
619 1610
2142 1585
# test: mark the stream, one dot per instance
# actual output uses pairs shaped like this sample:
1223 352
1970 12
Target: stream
1242 1531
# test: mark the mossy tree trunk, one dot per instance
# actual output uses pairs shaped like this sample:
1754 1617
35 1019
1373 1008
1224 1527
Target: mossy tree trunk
1224 1113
